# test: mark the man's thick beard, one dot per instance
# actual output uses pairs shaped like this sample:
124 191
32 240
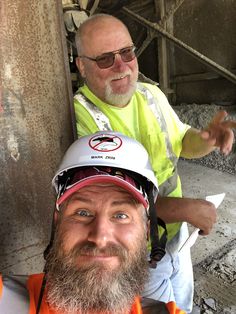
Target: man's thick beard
119 99
95 288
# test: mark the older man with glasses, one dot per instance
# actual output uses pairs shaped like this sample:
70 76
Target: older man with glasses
113 99
111 71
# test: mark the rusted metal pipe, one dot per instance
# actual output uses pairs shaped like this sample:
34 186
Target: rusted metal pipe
35 126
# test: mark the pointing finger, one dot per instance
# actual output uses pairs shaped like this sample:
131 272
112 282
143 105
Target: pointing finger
219 117
229 124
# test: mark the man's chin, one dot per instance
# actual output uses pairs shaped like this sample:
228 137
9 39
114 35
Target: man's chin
118 99
121 97
122 89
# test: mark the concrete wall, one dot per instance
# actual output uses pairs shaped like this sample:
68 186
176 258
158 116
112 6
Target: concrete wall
210 28
35 127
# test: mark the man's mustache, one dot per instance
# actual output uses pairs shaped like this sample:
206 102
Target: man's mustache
91 249
119 75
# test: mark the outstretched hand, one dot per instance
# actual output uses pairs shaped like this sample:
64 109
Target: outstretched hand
219 132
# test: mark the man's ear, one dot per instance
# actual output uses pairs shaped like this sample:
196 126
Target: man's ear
53 228
55 217
80 66
148 230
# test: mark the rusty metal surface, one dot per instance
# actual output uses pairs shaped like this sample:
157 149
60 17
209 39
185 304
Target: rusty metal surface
35 126
205 60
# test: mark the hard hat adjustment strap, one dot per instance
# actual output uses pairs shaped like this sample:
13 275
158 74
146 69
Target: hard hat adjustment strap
41 294
157 244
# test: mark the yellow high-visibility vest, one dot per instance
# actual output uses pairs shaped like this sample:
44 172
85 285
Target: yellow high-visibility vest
160 131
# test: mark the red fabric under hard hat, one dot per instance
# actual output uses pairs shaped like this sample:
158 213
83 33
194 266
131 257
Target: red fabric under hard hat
96 175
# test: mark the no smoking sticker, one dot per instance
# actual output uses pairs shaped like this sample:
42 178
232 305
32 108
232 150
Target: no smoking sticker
105 143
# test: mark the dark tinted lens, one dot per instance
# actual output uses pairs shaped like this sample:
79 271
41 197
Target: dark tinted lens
106 60
127 54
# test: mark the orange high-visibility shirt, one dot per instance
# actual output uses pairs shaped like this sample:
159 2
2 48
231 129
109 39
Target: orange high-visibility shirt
32 290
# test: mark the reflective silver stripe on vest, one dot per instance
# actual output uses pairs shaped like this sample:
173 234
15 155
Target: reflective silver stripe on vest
15 297
153 105
171 183
99 117
103 124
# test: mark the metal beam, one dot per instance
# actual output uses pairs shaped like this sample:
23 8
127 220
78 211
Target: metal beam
203 59
162 54
150 36
196 77
171 11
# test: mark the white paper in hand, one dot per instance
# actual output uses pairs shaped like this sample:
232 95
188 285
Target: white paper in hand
216 200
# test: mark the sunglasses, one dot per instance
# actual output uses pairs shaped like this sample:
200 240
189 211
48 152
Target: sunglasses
107 59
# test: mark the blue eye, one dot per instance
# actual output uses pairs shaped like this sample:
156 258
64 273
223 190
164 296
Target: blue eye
84 213
121 216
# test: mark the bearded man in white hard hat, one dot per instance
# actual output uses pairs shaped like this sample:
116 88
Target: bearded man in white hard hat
96 261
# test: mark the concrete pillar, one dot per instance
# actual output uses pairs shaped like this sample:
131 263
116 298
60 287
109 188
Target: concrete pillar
35 126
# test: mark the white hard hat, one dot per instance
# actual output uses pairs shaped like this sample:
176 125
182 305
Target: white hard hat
103 151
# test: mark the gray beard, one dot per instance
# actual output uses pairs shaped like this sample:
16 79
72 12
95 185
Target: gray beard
119 99
95 288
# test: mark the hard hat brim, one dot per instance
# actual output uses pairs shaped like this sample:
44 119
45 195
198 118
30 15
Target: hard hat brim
103 179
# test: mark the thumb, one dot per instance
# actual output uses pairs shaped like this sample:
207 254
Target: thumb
205 135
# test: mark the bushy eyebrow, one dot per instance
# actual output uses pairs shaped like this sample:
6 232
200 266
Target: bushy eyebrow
80 199
126 201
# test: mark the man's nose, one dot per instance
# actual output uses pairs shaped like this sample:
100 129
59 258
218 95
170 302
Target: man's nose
101 232
118 62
